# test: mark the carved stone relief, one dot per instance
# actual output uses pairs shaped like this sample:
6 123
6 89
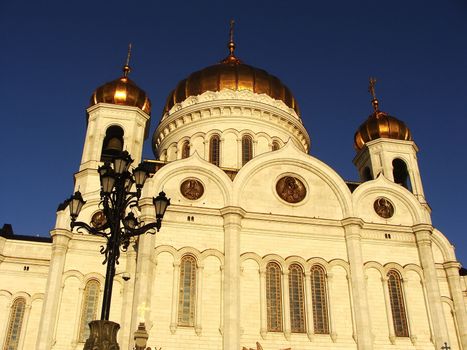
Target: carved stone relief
192 189
98 219
383 207
291 189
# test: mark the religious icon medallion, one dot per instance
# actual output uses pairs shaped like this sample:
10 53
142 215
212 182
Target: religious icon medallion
291 189
383 207
98 219
192 189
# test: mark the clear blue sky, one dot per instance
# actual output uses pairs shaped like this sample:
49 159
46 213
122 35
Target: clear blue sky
55 53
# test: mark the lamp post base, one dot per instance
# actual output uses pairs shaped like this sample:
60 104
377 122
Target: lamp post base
103 336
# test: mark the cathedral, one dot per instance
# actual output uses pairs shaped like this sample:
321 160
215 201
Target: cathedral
263 246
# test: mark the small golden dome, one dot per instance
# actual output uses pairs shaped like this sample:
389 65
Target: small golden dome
378 125
231 73
122 91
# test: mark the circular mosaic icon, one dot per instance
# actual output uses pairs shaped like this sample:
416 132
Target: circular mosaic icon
98 219
192 189
291 189
384 208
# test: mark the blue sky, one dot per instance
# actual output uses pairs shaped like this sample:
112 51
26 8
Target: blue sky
54 54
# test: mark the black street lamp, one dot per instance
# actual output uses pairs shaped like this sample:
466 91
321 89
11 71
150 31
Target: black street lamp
120 223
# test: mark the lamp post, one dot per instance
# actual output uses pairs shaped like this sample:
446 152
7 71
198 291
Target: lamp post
120 224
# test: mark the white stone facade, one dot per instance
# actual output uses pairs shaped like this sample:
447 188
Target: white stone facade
233 230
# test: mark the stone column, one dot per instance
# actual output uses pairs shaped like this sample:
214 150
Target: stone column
352 227
452 273
127 298
310 327
387 303
286 304
144 277
49 315
199 299
175 292
263 303
423 238
232 228
331 309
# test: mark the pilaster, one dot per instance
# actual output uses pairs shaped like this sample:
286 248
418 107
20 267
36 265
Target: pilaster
352 227
423 238
232 227
49 315
452 273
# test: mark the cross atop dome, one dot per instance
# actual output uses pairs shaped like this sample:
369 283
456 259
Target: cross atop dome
231 59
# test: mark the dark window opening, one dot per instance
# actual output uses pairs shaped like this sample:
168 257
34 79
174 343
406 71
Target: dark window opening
214 150
113 143
400 173
247 149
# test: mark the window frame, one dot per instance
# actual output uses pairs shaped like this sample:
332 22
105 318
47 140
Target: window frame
397 303
15 324
87 314
274 297
319 299
214 149
186 316
297 299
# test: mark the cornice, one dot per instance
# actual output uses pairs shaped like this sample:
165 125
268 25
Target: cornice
227 103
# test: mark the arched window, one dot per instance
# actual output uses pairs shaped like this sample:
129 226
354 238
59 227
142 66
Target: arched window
113 143
367 174
187 291
400 173
15 324
396 297
274 297
297 300
275 145
89 308
319 299
185 149
214 150
247 149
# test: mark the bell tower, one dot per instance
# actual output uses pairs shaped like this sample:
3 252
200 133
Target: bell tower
385 146
117 120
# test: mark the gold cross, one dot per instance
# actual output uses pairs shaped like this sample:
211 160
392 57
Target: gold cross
445 346
232 22
371 87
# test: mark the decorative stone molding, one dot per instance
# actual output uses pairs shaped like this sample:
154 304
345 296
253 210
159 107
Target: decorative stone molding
228 103
227 94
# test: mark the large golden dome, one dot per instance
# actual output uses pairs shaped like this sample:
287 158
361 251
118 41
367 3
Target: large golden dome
122 91
231 73
380 124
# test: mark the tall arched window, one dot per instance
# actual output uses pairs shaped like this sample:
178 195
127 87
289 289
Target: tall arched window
214 150
187 291
15 324
275 145
274 297
247 149
319 299
113 143
400 173
89 308
297 300
186 149
396 297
